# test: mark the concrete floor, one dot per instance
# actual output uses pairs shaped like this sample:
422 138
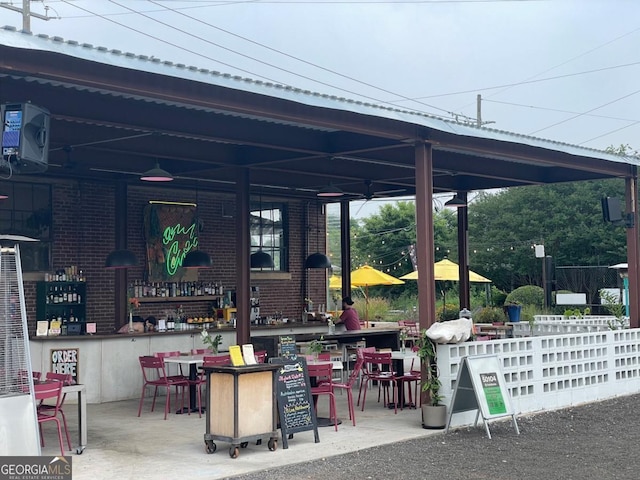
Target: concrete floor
121 445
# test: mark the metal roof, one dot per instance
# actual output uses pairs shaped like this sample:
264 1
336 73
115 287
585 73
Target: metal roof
204 123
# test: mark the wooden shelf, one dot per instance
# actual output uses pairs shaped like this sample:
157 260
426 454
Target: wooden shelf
197 298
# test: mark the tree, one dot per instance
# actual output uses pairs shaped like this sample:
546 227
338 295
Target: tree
566 218
383 240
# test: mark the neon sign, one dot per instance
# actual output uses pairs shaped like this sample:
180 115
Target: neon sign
172 237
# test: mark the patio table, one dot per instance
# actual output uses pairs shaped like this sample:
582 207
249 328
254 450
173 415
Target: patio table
193 361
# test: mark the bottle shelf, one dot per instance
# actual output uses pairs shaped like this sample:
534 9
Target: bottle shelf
196 298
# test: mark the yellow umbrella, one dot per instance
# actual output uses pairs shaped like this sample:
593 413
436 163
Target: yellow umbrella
368 276
448 270
335 283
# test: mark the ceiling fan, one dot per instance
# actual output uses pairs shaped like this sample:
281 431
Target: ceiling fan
370 194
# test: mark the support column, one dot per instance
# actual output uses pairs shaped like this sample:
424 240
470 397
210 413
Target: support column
424 235
463 253
243 260
345 247
120 284
633 247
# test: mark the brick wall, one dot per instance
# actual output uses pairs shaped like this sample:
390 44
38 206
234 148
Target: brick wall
83 235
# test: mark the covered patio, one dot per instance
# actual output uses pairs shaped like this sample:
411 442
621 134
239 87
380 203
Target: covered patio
115 114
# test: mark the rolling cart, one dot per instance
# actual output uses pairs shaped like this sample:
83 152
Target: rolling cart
241 406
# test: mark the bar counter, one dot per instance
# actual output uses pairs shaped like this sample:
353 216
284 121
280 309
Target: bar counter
108 364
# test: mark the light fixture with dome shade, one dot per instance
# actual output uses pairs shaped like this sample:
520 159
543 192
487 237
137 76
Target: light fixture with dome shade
121 259
317 260
261 259
330 191
455 202
156 174
197 258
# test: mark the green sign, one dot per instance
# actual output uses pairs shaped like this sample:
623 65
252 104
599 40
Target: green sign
493 393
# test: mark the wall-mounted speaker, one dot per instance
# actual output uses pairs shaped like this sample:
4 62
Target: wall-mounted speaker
611 209
25 137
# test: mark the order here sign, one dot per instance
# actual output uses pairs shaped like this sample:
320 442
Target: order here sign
66 361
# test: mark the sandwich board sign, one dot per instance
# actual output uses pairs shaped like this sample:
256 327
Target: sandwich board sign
481 387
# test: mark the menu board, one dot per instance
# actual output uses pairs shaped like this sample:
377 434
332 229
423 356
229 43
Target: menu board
288 346
295 402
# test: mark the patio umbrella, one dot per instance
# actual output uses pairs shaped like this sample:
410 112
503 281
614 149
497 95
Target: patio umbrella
447 270
368 276
335 283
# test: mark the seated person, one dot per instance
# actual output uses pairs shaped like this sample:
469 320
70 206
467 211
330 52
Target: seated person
349 315
150 324
138 325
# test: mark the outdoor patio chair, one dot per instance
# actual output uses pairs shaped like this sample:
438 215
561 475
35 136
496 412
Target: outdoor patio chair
155 375
44 391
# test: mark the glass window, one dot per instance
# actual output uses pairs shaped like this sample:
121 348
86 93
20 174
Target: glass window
269 231
27 212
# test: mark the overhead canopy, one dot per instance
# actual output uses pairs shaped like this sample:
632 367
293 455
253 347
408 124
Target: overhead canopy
114 115
448 270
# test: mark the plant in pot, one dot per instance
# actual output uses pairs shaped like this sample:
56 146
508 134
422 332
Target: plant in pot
315 347
434 413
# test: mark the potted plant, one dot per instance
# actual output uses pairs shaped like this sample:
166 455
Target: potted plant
212 342
315 347
434 413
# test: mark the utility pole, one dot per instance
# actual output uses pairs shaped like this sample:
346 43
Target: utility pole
26 14
479 121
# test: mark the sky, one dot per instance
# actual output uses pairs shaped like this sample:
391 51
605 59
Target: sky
564 70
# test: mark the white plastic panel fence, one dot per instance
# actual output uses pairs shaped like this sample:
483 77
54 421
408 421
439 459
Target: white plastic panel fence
555 371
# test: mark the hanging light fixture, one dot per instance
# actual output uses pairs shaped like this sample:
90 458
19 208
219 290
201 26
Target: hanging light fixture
455 202
261 259
317 260
156 174
330 191
121 259
197 258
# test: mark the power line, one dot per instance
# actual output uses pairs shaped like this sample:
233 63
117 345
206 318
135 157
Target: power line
302 60
588 111
613 67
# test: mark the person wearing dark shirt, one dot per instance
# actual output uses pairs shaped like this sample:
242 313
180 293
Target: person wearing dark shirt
349 315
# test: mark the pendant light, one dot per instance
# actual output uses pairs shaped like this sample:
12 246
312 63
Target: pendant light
156 174
317 260
261 259
121 259
330 191
197 258
455 202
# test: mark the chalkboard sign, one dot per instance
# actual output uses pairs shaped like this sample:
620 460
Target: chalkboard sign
480 386
295 402
288 346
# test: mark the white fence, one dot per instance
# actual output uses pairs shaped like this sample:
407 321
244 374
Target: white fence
554 371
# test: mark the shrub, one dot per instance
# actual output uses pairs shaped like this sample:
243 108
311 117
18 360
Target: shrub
527 295
490 315
498 297
378 309
447 312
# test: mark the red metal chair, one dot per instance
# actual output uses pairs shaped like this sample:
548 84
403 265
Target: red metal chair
379 369
155 375
323 375
364 369
212 360
177 376
413 376
44 391
201 351
66 379
348 386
